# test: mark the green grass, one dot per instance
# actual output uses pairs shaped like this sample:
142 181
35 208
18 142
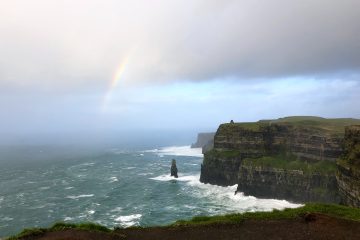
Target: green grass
332 126
329 209
292 163
82 226
59 227
251 126
28 232
335 126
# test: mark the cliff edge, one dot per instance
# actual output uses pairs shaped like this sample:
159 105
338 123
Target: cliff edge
291 158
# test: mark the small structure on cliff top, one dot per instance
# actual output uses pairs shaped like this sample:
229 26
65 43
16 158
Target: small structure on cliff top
173 169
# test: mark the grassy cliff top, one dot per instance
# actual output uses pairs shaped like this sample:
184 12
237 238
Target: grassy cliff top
329 125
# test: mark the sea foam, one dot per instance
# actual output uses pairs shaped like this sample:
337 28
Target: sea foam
225 197
129 220
177 151
114 179
80 196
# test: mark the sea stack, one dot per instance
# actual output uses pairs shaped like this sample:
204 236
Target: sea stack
174 169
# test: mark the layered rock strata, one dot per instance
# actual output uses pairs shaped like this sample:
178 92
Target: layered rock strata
292 160
348 175
292 185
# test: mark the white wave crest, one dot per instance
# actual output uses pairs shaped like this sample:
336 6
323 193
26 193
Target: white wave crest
129 168
177 151
117 209
225 197
144 174
167 177
7 219
114 179
80 196
68 219
87 164
129 220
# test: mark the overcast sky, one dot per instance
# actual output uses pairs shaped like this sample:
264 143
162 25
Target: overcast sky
86 65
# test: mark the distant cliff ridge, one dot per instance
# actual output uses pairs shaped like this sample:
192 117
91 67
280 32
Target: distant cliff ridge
289 158
204 141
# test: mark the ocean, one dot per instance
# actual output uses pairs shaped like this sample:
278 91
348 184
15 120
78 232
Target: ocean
112 187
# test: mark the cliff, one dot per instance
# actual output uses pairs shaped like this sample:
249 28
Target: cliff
292 185
307 139
348 175
204 141
289 158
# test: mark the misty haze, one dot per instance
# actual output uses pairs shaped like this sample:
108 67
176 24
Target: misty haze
177 119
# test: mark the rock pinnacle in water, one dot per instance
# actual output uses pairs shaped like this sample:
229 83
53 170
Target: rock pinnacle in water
173 169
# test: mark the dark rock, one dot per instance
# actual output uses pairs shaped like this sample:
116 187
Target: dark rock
219 170
292 185
348 175
310 217
174 170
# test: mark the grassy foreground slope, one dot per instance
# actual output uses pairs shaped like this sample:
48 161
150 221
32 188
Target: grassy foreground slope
336 211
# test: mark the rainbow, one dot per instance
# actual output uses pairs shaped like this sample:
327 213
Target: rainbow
114 81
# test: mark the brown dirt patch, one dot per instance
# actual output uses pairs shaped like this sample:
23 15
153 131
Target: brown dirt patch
314 226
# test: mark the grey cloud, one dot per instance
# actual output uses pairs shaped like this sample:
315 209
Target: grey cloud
69 43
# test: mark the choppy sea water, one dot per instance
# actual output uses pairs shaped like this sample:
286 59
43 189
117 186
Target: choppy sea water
115 188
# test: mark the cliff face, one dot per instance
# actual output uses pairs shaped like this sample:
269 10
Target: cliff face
292 185
348 175
204 141
285 158
272 138
220 169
